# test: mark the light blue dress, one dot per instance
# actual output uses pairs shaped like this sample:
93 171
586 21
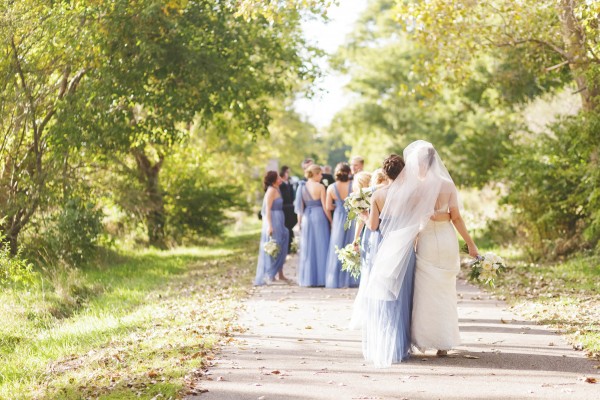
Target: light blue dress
267 266
340 237
314 239
386 332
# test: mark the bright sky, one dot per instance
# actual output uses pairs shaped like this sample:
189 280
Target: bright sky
329 36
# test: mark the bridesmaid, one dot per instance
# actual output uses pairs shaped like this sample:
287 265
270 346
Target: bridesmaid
361 181
386 329
314 228
340 237
273 225
379 180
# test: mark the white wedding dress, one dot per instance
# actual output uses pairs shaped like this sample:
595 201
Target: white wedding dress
434 315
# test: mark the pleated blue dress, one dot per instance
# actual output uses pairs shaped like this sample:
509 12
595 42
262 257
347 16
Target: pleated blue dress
267 266
340 237
386 331
314 239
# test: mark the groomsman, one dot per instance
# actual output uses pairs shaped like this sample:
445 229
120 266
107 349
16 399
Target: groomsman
288 196
357 164
327 178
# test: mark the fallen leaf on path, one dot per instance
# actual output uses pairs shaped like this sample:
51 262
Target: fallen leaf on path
471 357
276 372
503 321
308 327
589 379
152 374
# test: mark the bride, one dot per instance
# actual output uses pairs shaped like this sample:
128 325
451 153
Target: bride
421 208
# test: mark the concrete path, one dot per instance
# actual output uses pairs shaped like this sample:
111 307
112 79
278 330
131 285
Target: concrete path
297 347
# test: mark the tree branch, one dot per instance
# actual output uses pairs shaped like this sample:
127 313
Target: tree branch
516 42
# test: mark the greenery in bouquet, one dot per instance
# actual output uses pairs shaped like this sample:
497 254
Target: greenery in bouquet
271 248
295 246
350 259
355 204
486 268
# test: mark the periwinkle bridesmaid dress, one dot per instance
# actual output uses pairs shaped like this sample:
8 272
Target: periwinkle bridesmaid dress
314 239
340 237
267 266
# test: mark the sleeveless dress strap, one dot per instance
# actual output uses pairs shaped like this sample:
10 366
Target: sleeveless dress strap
350 188
337 193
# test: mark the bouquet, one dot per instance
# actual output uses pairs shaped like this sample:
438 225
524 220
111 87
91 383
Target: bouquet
271 248
295 245
355 204
486 268
350 259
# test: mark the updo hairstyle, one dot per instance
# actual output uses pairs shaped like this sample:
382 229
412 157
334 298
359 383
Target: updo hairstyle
312 170
361 181
342 172
393 165
269 179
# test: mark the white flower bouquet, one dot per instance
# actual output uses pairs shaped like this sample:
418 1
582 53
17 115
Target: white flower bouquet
355 204
350 259
271 248
486 268
295 246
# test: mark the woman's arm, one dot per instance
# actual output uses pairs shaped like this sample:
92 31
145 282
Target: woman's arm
460 226
373 219
270 197
329 200
324 203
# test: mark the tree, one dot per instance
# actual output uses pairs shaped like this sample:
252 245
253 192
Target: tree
41 69
550 34
396 103
168 66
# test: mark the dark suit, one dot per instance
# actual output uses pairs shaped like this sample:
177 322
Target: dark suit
291 219
330 179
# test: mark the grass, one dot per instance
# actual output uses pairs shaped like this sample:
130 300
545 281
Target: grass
140 325
564 295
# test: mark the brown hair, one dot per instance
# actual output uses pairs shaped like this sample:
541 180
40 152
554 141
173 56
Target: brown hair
393 165
269 179
342 172
312 170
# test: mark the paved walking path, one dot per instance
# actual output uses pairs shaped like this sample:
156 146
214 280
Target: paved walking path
297 347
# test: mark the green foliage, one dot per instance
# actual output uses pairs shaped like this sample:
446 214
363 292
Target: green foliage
553 186
13 268
70 235
469 124
197 200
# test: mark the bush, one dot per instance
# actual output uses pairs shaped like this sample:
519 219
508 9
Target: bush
13 268
71 235
554 187
196 206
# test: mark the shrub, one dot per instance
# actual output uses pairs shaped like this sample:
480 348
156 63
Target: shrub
13 269
71 234
554 187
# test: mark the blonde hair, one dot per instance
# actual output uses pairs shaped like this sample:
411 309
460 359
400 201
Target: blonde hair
378 177
361 181
312 170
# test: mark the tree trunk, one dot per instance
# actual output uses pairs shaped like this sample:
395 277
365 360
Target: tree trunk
155 212
579 61
11 235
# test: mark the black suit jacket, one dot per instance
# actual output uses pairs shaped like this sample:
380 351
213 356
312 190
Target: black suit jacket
288 196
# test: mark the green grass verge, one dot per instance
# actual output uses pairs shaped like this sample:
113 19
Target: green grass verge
137 327
563 295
